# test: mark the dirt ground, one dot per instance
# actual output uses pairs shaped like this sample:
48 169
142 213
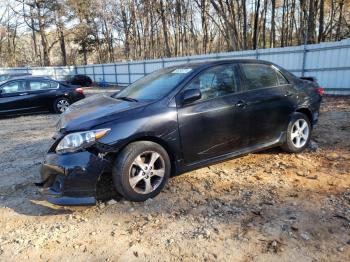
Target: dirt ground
269 206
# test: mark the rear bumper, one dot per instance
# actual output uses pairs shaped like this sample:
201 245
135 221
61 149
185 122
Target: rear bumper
315 109
71 179
315 116
76 97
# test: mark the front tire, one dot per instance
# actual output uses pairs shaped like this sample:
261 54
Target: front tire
298 133
141 170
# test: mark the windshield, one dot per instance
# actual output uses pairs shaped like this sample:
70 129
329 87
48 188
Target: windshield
154 86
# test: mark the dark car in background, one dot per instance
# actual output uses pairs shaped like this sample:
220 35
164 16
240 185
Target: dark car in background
5 77
176 120
81 80
31 94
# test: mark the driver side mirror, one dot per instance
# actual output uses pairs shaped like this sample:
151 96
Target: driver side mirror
190 95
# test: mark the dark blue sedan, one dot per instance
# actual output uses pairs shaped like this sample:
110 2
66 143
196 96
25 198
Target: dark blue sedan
28 94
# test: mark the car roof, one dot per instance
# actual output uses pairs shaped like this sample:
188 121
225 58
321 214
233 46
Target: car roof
30 77
206 64
221 61
15 74
198 66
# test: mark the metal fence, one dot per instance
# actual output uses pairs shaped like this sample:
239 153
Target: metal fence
328 62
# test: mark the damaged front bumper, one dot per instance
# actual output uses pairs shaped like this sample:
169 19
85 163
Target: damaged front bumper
71 179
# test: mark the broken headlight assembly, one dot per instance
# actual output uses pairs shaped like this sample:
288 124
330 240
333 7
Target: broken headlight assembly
77 141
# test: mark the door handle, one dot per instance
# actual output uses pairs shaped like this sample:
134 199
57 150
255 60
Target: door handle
241 103
23 94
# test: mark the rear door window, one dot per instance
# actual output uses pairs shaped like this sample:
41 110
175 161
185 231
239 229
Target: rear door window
259 76
42 85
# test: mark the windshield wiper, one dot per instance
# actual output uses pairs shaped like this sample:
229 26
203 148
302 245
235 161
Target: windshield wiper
130 99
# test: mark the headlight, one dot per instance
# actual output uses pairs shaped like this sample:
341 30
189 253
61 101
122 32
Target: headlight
76 141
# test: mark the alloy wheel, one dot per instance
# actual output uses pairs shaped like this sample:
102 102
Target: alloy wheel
62 105
146 172
300 133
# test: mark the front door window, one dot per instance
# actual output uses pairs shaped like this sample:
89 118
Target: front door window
216 82
14 87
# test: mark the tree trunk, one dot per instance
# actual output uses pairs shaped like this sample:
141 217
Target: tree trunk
340 18
321 22
256 25
33 34
311 23
273 32
44 43
331 21
204 7
62 42
245 44
283 18
264 25
303 16
84 50
165 29
126 32
292 23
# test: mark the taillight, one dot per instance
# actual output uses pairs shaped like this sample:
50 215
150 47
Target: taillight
79 90
320 91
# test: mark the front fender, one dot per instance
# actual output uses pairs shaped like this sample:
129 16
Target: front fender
162 127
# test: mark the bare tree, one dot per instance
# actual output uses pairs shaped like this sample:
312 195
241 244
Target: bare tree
165 28
97 31
321 22
273 28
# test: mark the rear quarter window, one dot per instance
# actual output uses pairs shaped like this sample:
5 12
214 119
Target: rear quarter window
281 79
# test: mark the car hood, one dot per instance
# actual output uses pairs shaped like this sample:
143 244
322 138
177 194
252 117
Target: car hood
94 110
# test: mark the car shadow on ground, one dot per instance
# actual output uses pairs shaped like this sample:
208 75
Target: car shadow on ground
28 201
29 114
26 198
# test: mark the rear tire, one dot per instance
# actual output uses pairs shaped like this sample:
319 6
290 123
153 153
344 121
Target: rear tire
298 133
141 170
60 105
